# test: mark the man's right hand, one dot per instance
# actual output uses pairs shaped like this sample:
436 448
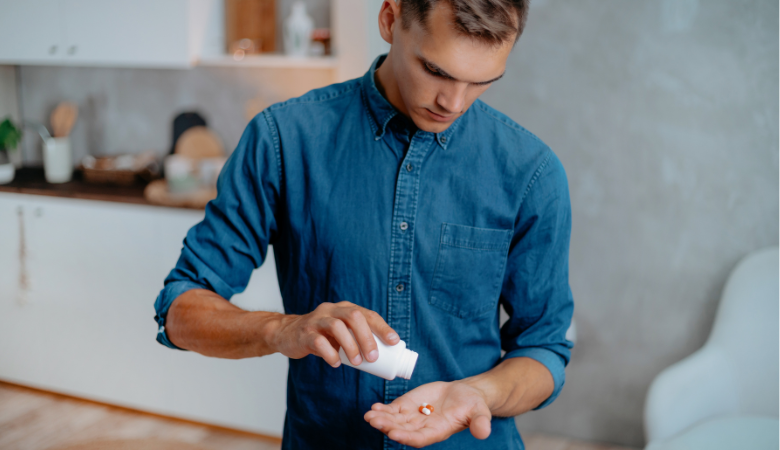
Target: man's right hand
326 329
202 321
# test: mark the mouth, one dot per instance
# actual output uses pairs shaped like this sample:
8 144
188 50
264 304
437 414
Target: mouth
439 117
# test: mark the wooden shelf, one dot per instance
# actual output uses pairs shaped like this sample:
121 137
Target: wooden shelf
271 61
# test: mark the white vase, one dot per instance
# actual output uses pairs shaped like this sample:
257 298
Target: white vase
57 160
297 31
7 172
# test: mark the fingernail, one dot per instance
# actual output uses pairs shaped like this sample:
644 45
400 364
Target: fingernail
357 360
373 355
335 366
392 336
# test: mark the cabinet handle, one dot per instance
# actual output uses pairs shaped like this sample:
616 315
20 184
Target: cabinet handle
24 281
72 50
52 49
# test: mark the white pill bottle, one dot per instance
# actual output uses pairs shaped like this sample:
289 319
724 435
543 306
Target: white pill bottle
393 361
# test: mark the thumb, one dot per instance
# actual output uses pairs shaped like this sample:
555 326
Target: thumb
480 424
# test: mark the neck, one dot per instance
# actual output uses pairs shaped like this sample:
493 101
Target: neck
388 85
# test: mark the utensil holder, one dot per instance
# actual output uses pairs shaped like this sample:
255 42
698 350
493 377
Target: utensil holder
57 160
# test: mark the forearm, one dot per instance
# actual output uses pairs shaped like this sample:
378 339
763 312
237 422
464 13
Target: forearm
202 321
515 386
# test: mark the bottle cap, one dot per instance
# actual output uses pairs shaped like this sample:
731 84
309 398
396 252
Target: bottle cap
406 364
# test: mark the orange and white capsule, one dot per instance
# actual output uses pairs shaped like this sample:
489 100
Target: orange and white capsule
426 409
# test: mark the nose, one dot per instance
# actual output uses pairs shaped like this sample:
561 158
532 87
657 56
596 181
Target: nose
452 98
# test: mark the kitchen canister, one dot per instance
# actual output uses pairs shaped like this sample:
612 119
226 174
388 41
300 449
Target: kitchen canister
57 160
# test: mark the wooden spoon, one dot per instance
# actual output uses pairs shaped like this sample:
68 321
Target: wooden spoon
62 118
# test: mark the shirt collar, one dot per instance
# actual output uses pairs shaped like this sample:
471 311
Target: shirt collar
380 111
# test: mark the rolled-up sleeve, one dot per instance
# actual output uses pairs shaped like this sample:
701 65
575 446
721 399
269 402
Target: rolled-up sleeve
536 293
220 253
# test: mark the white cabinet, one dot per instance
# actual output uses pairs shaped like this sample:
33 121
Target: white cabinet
31 31
138 33
78 280
166 33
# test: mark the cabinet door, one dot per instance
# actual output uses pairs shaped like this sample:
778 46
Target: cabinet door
86 327
31 32
11 238
126 33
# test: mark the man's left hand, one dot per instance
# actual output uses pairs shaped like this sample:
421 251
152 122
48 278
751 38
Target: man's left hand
457 406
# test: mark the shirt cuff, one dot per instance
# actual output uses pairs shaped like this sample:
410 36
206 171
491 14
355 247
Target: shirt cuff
554 363
170 292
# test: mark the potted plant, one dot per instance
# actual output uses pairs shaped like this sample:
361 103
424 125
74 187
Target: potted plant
10 135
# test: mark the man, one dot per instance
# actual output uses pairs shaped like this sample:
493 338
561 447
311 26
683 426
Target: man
400 205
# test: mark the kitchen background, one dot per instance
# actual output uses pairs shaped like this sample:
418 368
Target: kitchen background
664 114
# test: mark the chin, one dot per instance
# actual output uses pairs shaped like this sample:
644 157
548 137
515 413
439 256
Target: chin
431 126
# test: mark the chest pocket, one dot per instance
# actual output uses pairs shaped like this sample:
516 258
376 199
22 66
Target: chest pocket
469 269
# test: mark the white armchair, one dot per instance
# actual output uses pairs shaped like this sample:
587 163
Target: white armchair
725 395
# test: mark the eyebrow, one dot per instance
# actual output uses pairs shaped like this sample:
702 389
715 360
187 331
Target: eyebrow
432 65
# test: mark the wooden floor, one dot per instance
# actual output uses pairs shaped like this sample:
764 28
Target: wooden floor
34 420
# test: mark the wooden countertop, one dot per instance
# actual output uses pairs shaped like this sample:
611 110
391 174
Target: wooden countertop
30 180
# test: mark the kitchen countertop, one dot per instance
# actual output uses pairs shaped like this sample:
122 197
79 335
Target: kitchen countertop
30 180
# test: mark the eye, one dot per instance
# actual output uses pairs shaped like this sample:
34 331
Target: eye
431 70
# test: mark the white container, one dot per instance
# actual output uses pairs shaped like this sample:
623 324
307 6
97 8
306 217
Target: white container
57 160
393 361
297 31
208 171
7 172
180 174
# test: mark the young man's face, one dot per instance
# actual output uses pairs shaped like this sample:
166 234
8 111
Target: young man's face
440 72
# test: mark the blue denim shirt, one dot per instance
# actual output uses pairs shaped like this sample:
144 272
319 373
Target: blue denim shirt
432 231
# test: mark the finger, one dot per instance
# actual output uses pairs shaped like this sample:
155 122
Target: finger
338 329
324 350
480 426
374 413
355 318
383 407
383 424
420 438
370 415
381 328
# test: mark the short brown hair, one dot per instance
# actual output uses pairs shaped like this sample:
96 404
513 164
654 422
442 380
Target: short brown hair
492 21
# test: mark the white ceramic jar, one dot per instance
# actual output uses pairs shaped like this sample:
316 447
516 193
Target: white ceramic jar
57 160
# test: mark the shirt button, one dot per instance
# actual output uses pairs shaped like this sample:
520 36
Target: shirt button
443 139
409 167
404 226
399 287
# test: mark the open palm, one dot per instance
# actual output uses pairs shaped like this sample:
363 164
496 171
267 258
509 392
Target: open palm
457 406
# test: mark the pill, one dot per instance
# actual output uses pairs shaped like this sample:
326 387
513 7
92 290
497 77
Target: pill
426 409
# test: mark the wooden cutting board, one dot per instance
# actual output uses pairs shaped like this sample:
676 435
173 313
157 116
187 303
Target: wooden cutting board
157 193
199 142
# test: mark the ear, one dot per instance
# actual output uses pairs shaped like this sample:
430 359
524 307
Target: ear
389 17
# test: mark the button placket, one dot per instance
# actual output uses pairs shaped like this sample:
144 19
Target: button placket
401 251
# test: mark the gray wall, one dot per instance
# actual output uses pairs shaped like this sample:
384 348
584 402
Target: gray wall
131 110
665 115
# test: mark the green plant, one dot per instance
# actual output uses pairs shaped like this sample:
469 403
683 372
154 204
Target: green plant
10 136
